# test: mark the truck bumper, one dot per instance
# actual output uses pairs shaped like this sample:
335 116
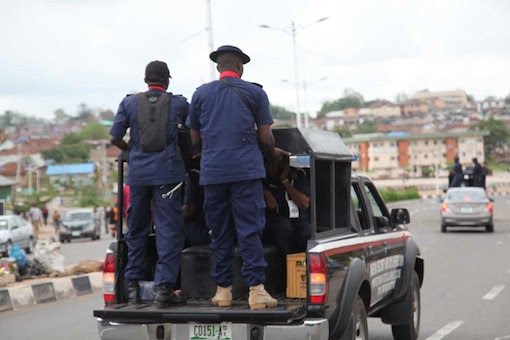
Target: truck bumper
309 329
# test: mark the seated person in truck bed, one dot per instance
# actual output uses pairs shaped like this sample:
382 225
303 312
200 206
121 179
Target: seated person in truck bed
287 195
195 229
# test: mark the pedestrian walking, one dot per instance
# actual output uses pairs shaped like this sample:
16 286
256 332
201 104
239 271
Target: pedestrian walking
155 175
56 220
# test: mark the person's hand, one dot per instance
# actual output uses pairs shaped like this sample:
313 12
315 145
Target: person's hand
284 175
188 211
280 153
271 202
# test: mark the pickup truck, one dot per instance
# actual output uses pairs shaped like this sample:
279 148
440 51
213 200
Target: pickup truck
361 261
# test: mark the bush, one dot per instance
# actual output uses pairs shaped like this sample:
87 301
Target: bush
392 195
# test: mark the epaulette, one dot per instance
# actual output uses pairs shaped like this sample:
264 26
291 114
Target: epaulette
257 85
130 94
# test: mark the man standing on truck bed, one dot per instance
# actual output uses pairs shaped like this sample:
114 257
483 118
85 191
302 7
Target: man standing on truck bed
223 116
155 175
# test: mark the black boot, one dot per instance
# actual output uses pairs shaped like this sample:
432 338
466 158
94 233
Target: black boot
166 297
133 290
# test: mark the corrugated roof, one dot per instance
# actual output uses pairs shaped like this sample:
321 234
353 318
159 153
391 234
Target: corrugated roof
71 169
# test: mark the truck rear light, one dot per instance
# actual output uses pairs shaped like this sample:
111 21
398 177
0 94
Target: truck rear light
318 287
444 207
109 279
489 207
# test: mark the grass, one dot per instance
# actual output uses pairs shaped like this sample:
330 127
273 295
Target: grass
392 195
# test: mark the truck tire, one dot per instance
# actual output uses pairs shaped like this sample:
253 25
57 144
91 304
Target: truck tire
411 330
358 326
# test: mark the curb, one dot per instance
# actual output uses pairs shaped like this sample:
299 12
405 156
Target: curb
49 290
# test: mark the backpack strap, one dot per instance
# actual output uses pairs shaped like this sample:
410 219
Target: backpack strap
241 95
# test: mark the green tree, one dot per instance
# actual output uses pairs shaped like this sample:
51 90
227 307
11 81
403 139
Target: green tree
280 112
351 99
497 139
368 126
93 131
343 132
71 139
85 113
61 116
106 114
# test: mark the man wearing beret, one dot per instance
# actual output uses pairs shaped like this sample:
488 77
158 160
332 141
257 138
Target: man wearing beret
230 123
155 175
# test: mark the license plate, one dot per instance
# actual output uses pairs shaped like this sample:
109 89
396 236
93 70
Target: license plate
466 210
201 331
75 233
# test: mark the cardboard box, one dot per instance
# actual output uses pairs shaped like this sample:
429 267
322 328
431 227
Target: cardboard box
296 275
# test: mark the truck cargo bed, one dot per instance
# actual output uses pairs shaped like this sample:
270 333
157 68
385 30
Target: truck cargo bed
201 310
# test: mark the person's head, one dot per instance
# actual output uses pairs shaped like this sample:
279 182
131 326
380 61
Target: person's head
475 160
230 58
157 73
456 159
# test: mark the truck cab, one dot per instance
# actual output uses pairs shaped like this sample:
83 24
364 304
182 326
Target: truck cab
360 261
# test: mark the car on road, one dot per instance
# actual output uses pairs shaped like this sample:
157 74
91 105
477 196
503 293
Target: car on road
14 229
467 207
79 223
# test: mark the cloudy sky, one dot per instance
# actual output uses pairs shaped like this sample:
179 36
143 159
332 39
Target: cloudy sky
60 53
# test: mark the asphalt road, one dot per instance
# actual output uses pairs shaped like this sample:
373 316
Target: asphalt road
465 296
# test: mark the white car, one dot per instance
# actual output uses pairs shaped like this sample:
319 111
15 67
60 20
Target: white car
14 229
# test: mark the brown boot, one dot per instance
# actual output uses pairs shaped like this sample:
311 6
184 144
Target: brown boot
260 299
223 297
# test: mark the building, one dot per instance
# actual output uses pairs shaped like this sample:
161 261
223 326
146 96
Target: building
394 152
81 173
346 119
453 100
380 110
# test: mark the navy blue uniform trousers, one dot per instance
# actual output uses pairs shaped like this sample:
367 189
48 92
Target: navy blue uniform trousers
230 209
167 212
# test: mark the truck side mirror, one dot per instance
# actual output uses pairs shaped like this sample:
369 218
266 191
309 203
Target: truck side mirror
399 216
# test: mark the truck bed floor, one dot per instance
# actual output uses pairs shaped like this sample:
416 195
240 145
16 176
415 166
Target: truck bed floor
201 310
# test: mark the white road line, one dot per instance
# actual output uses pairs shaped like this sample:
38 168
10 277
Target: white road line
445 330
503 337
494 292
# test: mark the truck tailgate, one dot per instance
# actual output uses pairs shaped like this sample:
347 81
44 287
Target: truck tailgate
288 310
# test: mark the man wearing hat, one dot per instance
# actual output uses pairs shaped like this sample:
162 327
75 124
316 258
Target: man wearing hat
155 175
230 123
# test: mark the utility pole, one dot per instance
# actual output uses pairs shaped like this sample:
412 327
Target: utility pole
210 37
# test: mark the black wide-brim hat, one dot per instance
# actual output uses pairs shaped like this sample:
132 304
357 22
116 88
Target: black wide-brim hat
229 49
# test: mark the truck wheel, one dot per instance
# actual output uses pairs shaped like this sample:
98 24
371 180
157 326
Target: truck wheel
489 228
358 326
410 331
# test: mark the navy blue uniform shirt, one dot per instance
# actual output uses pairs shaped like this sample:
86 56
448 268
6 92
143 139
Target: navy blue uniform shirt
151 168
230 150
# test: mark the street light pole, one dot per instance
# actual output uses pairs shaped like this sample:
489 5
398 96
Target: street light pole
292 33
305 86
210 37
296 77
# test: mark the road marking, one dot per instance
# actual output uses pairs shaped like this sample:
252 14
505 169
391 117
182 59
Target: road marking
503 337
445 330
494 292
499 243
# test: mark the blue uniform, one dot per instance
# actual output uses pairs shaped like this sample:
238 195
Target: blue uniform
152 176
289 234
232 169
